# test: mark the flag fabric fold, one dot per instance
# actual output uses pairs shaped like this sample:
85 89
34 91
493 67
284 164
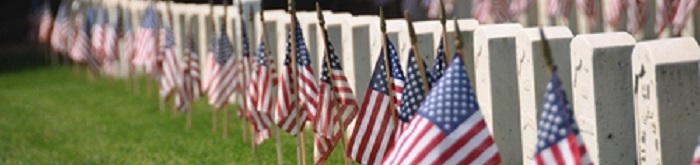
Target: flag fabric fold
337 106
296 107
374 128
558 138
448 128
146 41
414 92
224 74
45 23
259 99
61 30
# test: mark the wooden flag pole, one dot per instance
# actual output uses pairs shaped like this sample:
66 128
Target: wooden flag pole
226 109
327 59
244 93
443 21
459 45
416 51
547 53
278 138
292 27
387 67
213 29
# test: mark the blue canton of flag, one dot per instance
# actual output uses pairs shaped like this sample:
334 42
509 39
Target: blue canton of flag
414 93
225 47
169 37
244 42
440 64
558 140
448 128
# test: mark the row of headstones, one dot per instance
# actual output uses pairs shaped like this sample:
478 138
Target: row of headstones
628 97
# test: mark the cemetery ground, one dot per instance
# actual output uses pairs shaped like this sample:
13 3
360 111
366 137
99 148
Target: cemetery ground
50 115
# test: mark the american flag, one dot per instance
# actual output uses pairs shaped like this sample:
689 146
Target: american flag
438 68
498 10
259 99
636 14
61 30
560 8
210 62
98 33
193 70
696 155
414 91
614 10
146 39
81 48
376 121
589 9
172 78
448 128
127 34
111 49
519 7
558 140
224 74
289 116
45 22
245 70
685 9
336 94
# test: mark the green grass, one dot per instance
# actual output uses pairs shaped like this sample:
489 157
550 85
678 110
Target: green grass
49 115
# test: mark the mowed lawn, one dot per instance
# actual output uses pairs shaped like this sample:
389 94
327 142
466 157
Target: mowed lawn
50 115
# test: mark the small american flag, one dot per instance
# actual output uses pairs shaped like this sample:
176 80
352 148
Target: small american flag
98 33
326 121
685 9
259 99
172 78
61 30
193 69
289 118
336 94
636 14
81 48
45 22
129 38
210 62
696 155
111 46
146 39
558 139
560 8
589 9
614 10
190 87
224 73
448 128
376 121
498 10
414 92
438 68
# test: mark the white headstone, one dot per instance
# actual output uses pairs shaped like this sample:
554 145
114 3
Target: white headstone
666 95
533 77
498 86
602 88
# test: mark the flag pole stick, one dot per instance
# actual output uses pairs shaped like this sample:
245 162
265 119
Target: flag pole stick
246 71
327 59
387 67
547 53
169 12
301 153
278 139
416 51
459 45
443 21
213 29
226 109
189 78
244 94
